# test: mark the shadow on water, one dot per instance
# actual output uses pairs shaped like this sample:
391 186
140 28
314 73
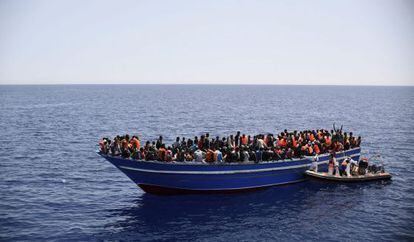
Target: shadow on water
163 217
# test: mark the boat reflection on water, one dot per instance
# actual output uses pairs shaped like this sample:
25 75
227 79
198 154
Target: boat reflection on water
207 216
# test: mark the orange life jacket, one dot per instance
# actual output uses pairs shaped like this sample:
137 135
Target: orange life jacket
311 137
244 140
162 153
135 142
210 156
328 140
294 142
316 149
282 142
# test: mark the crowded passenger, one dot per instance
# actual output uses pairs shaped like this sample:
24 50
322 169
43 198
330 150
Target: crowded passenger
238 148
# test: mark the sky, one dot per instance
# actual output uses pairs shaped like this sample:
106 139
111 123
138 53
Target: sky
350 42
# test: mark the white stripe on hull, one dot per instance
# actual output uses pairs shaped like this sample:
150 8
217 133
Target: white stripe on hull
227 172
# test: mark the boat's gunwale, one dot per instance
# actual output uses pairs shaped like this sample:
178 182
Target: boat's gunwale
223 163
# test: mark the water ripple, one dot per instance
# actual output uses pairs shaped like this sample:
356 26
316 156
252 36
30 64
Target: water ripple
54 186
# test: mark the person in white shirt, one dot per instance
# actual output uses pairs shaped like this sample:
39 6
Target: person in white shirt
336 166
348 167
314 165
199 155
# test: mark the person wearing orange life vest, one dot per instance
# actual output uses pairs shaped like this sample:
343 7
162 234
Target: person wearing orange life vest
162 153
210 156
125 149
294 142
328 140
311 137
282 142
134 143
316 149
244 139
310 149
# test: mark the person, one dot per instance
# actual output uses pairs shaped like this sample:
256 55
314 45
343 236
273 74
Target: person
159 142
135 142
331 165
176 144
314 165
259 155
206 144
362 166
260 143
244 155
188 156
218 156
125 153
348 167
269 147
336 165
115 147
344 165
210 156
179 155
235 154
237 139
162 153
168 154
244 140
316 148
199 155
103 146
183 143
136 153
353 167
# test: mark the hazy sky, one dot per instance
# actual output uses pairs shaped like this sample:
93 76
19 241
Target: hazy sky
250 42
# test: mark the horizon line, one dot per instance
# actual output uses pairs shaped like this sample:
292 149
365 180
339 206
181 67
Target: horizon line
202 84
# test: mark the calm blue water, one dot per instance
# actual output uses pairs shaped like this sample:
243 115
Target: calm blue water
54 187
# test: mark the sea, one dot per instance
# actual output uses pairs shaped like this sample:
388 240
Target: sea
54 187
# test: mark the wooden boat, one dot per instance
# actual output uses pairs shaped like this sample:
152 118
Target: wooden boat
195 177
354 178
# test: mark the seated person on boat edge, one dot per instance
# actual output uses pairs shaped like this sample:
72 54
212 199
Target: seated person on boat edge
234 148
349 167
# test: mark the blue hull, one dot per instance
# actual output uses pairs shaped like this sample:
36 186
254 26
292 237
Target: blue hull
191 177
